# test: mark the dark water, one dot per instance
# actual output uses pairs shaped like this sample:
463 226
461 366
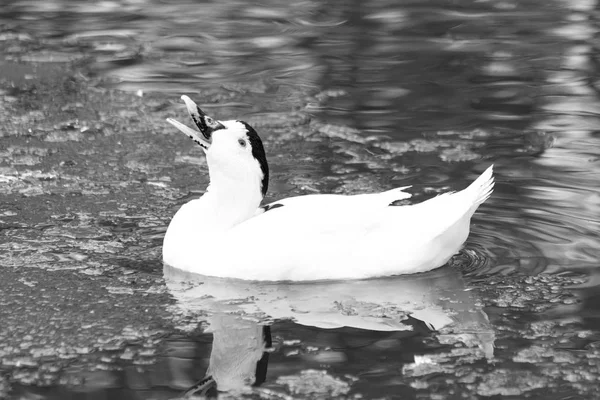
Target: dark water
348 97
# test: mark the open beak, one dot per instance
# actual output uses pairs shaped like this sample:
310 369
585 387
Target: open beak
205 124
194 135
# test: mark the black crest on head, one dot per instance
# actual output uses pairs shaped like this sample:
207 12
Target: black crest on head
258 151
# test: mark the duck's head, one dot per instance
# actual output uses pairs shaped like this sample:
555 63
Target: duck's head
234 151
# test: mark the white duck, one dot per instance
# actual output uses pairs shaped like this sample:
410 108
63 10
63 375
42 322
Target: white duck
226 233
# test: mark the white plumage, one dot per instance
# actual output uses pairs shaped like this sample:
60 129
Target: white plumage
226 233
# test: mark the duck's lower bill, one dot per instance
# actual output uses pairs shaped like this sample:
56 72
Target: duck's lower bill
191 133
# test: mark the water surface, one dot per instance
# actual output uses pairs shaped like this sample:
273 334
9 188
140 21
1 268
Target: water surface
349 98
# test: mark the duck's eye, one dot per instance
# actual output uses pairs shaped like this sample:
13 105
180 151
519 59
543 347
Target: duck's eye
242 142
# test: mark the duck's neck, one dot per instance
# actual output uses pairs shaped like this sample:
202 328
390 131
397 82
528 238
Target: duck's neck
229 201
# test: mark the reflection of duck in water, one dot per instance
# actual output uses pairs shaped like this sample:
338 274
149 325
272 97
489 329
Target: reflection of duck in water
238 308
239 356
313 237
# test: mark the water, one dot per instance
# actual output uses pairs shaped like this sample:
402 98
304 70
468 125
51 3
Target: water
349 98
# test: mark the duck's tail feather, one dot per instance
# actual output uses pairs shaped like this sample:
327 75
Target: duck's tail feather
480 190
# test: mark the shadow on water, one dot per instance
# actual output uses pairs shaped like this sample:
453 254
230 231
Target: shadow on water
353 97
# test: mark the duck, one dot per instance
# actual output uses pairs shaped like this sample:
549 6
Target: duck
227 233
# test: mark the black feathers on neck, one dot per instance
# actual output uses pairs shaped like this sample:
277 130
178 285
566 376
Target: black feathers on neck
258 151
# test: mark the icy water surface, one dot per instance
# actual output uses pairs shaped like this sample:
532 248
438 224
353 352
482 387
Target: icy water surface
349 98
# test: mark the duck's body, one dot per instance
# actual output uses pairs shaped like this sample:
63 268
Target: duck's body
226 233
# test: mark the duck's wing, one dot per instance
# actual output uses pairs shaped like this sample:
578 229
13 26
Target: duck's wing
312 240
323 201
